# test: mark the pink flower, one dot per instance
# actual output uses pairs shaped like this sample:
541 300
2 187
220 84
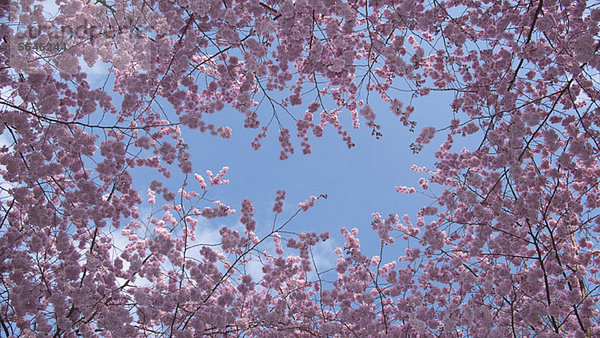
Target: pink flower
278 207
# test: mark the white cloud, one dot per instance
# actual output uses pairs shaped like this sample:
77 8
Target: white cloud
99 68
254 269
324 257
206 233
51 9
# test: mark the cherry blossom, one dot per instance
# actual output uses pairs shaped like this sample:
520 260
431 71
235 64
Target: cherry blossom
506 245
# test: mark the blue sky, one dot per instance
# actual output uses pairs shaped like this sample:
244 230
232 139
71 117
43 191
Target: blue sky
358 181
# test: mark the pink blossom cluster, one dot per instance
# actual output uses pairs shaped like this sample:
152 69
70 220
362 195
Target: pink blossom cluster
247 213
384 226
284 140
405 190
217 180
369 115
308 203
426 135
303 125
221 210
278 206
201 181
256 142
424 183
